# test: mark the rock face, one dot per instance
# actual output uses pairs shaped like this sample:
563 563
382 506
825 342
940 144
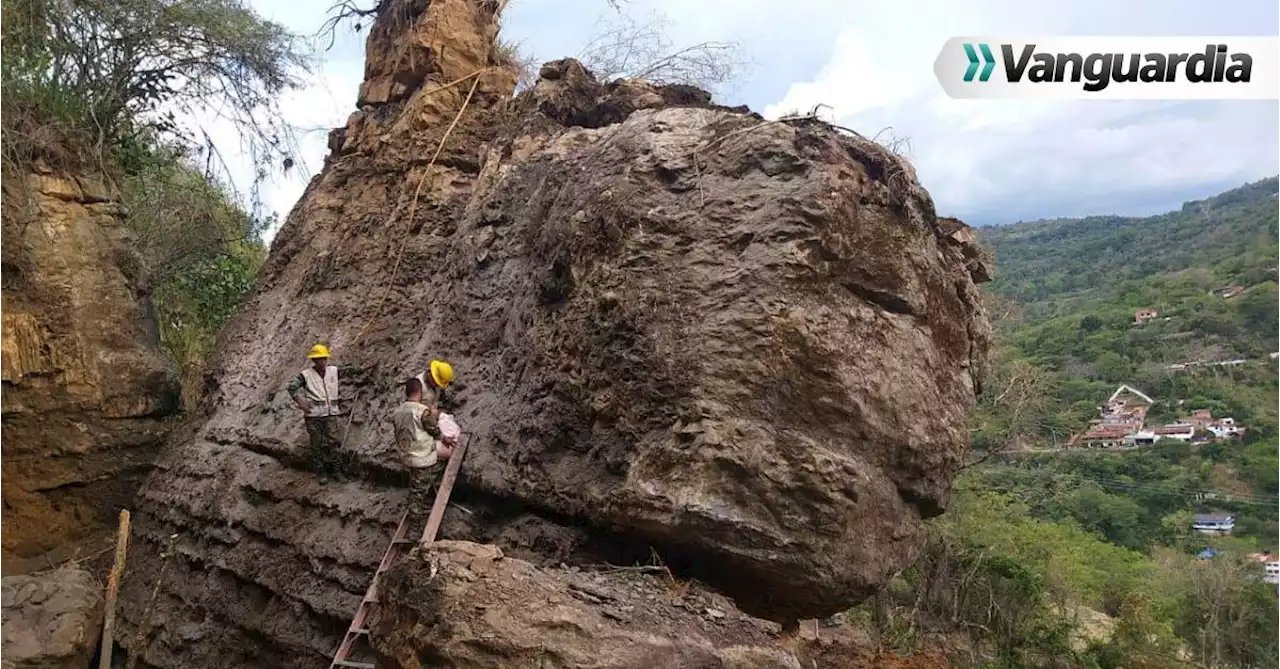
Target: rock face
85 384
746 345
466 605
52 620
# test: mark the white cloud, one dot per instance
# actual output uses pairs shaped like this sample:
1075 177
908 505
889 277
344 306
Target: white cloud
325 99
995 161
872 63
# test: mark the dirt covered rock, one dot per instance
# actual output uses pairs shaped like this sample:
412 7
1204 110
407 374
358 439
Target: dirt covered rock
86 386
52 620
467 605
745 346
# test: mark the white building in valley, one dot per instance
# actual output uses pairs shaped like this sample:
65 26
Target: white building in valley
1213 523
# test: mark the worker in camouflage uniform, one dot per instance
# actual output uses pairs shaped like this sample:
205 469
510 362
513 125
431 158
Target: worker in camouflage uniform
423 446
315 393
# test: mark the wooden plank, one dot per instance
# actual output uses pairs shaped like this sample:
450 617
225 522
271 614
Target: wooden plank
442 495
113 590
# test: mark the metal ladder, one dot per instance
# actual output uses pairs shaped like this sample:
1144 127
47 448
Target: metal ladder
400 543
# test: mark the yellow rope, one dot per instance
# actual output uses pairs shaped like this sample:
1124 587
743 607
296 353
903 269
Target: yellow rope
413 208
391 216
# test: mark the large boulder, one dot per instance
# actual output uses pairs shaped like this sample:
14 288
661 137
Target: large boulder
52 620
86 386
467 605
747 347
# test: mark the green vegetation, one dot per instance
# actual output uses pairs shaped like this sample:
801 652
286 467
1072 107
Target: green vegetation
1064 305
114 87
1086 558
202 249
1030 592
1062 266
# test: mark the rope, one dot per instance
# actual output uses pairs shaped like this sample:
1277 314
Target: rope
413 208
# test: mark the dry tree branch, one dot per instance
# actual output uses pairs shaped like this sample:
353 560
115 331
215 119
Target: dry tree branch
340 12
626 48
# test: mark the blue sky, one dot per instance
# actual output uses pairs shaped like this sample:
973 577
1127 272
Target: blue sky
871 62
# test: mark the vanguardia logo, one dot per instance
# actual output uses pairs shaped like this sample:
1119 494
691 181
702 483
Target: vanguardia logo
974 62
1099 70
1111 67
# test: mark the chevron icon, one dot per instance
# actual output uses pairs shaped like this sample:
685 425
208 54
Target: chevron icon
989 59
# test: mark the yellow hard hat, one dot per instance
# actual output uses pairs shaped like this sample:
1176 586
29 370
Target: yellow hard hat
318 351
441 373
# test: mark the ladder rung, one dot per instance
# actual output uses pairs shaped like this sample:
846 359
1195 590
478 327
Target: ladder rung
400 538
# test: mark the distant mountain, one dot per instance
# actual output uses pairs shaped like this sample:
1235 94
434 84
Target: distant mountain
1232 236
1081 305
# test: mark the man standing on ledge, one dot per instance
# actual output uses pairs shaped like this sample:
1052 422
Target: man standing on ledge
418 436
315 392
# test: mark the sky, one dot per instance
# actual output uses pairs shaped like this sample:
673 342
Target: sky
870 63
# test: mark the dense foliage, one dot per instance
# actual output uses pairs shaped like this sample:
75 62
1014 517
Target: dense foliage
1031 592
202 249
1068 558
119 69
1064 305
1060 266
122 88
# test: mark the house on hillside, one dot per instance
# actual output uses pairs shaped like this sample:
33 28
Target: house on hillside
1202 421
1225 428
1141 316
1177 431
1122 416
1213 523
1227 292
1141 438
1104 437
1270 567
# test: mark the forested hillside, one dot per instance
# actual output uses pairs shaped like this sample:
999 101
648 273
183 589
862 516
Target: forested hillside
1095 548
1065 299
1057 266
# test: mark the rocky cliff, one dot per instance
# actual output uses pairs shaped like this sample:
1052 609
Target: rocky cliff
746 349
85 384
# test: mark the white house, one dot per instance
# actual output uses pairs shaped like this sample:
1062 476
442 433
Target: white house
1179 431
1224 428
1213 523
1142 438
1270 567
1150 435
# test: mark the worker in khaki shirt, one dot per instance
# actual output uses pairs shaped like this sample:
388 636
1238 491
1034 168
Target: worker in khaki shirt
438 376
315 393
419 438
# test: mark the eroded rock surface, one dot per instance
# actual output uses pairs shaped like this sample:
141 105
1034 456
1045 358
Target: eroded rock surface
85 384
746 345
52 620
467 605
